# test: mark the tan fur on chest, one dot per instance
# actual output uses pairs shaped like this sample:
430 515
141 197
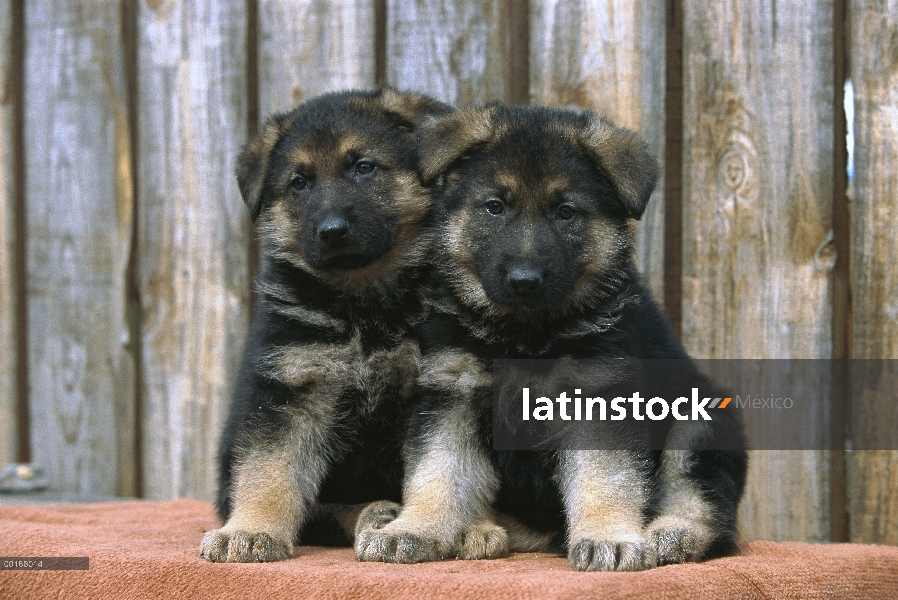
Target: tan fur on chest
325 370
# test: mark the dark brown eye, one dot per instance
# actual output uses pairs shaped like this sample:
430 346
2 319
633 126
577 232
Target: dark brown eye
363 167
297 183
494 207
565 212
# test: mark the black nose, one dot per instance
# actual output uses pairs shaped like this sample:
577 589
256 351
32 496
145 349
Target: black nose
332 229
524 280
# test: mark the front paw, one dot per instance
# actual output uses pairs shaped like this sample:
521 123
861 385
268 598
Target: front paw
678 541
634 554
482 540
222 545
396 544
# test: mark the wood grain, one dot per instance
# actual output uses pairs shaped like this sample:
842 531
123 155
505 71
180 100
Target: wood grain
458 51
608 57
309 47
873 475
192 235
79 224
8 284
757 201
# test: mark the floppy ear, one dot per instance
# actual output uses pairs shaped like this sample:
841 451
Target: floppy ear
624 157
252 164
410 109
443 140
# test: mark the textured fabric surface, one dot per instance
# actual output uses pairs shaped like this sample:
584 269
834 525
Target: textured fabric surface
150 550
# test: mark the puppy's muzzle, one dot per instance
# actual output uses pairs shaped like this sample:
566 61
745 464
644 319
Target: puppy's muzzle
332 231
524 281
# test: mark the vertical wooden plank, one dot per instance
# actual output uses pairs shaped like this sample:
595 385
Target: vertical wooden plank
757 199
458 51
673 165
873 475
841 284
310 47
79 222
8 283
192 235
609 57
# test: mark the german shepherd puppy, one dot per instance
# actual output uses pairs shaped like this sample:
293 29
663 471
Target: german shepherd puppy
535 260
318 407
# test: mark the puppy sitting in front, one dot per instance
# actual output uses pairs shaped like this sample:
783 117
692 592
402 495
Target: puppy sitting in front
316 422
535 260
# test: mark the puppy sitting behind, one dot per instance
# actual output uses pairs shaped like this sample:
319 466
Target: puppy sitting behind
318 407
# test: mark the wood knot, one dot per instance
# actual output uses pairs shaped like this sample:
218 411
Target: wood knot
733 170
737 158
826 254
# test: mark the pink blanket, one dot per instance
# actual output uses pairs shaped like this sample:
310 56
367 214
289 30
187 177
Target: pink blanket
150 550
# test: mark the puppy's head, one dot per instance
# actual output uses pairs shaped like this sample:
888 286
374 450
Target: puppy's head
334 185
536 205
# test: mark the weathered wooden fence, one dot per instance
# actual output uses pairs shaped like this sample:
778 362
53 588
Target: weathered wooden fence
126 257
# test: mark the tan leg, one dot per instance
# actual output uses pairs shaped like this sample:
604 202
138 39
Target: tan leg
685 525
447 497
272 492
604 496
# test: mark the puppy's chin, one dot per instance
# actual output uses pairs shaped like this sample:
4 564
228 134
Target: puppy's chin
525 305
342 262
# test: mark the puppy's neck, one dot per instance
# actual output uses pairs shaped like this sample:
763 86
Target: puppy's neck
523 334
285 283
